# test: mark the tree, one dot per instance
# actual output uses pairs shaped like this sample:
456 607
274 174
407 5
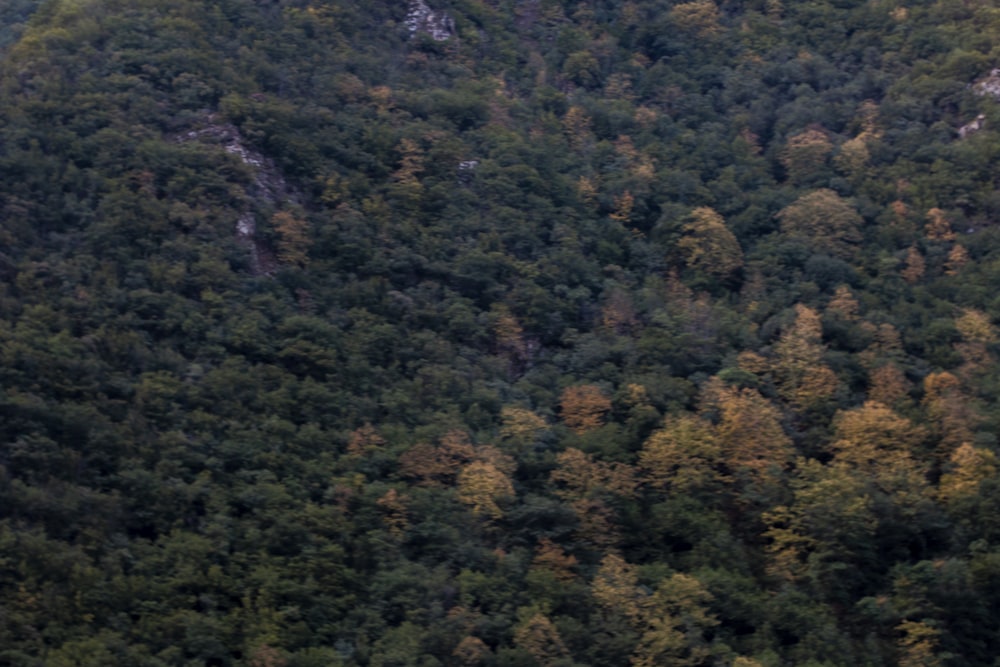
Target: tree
888 385
583 407
406 189
853 157
978 334
709 248
967 468
576 125
618 313
918 644
520 426
748 430
437 465
824 221
670 623
578 475
876 443
683 455
805 154
844 304
958 257
615 587
540 638
509 335
874 438
550 557
803 378
700 17
677 622
950 411
914 265
394 507
583 69
938 228
364 440
482 487
293 238
623 205
471 651
829 525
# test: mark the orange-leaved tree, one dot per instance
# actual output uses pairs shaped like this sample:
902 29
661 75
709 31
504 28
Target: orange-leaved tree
583 407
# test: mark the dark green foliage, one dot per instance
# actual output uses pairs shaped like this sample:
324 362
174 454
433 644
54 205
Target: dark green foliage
290 302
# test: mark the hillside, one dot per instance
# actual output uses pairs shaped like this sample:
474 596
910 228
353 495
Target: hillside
499 333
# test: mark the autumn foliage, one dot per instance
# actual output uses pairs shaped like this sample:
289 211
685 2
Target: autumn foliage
583 407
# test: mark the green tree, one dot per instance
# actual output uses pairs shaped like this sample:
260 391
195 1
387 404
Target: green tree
823 221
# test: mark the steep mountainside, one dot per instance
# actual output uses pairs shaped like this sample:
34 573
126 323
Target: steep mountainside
499 333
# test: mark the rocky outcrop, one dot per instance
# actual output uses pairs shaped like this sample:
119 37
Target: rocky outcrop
973 127
989 85
268 187
421 19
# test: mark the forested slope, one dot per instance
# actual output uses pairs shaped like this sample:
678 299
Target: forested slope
499 333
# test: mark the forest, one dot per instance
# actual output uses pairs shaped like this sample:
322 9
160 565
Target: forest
513 333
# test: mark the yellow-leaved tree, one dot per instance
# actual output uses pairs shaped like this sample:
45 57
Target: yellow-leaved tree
677 622
683 455
951 412
978 335
803 379
700 16
873 438
293 238
708 246
539 637
471 651
520 426
967 468
749 431
482 485
671 622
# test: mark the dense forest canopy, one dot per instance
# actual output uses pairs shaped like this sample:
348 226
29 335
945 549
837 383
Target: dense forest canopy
482 332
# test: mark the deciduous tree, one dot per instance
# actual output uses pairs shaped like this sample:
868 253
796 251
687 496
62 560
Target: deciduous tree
482 486
824 221
803 378
539 637
708 245
293 238
700 17
683 455
583 407
806 154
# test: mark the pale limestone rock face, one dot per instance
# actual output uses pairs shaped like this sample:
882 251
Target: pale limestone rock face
422 19
268 187
973 127
989 85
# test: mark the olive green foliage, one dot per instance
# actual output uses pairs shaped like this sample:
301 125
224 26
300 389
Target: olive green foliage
291 303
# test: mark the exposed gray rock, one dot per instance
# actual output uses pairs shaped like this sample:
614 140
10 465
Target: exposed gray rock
973 127
989 85
422 19
268 187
